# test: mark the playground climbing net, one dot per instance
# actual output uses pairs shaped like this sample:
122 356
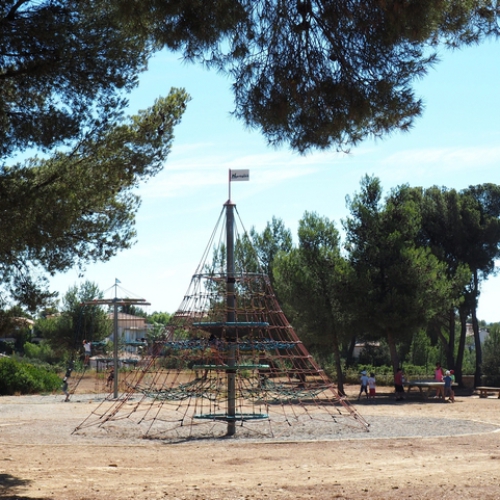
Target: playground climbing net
229 364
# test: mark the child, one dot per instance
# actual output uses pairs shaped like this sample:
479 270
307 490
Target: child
371 385
65 388
448 388
364 385
111 378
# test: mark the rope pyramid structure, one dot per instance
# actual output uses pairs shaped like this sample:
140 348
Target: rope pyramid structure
230 363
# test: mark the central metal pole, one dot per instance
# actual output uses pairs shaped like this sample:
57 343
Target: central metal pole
231 318
115 348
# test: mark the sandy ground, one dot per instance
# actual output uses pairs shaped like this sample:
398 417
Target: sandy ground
41 458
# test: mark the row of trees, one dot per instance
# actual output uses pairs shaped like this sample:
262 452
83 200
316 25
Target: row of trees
410 262
60 330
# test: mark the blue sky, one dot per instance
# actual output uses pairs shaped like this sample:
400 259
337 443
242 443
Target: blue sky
456 143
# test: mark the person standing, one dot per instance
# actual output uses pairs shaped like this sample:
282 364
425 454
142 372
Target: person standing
438 377
87 348
65 388
371 385
398 384
364 385
111 378
448 387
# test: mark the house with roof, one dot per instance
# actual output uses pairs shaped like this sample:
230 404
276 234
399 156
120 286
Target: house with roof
131 329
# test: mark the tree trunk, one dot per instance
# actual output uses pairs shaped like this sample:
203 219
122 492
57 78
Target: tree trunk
338 364
393 351
463 313
450 353
448 343
477 339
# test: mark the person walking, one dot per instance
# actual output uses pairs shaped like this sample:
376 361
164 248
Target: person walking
448 387
364 385
65 388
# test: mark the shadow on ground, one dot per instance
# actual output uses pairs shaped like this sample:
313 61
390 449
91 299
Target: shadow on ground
9 485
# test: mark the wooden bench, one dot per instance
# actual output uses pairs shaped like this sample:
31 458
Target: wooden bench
484 391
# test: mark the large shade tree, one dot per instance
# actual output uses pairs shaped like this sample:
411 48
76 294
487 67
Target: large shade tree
463 229
78 206
481 216
62 63
65 68
444 233
318 73
401 285
309 279
311 73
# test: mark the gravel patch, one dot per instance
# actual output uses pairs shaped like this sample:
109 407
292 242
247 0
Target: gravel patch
409 427
50 420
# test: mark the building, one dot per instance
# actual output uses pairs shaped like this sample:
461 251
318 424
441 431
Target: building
131 329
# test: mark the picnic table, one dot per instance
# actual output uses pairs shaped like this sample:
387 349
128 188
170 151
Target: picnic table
484 391
429 385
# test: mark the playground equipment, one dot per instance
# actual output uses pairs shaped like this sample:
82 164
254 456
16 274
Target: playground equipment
106 346
230 362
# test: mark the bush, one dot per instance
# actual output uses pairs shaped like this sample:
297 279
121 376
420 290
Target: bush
23 378
383 374
42 352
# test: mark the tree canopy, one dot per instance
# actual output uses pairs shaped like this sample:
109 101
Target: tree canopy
308 73
77 320
274 239
78 206
413 260
316 73
310 282
62 62
401 285
66 67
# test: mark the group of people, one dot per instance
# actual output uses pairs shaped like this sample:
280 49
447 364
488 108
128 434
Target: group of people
446 390
442 391
368 385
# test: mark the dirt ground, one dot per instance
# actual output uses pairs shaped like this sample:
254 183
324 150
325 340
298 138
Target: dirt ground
40 458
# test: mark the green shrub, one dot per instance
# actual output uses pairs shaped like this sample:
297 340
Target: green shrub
383 374
42 352
22 378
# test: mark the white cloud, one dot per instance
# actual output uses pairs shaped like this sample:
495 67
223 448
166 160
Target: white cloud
448 158
201 170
